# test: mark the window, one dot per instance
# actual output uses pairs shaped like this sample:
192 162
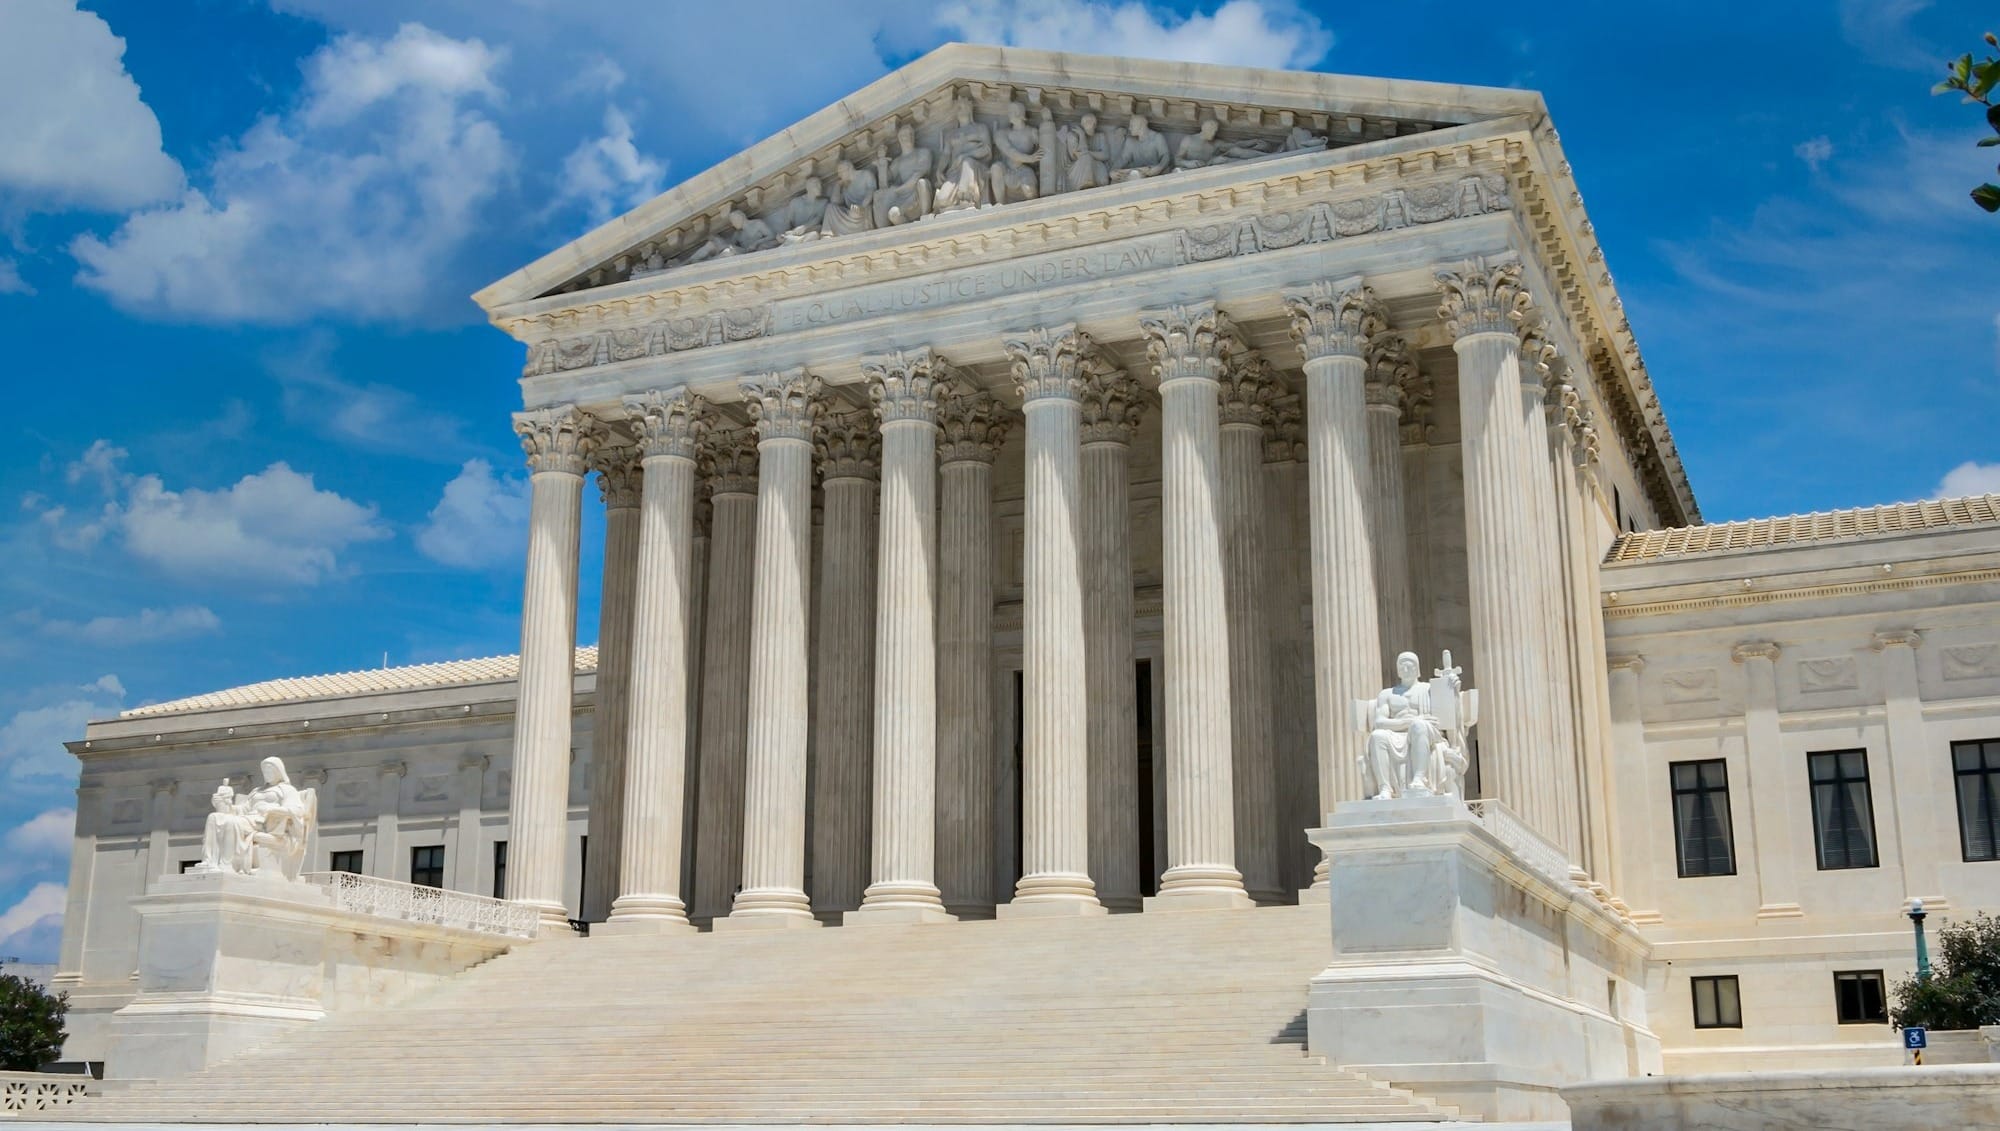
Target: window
499 869
1977 767
1858 995
1843 816
427 865
349 861
1716 1005
188 866
1703 841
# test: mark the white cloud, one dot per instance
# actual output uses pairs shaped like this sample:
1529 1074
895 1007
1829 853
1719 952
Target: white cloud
273 526
1969 478
372 416
77 133
31 742
1880 30
608 174
29 928
98 463
1814 151
11 282
43 836
143 627
1248 33
480 521
351 204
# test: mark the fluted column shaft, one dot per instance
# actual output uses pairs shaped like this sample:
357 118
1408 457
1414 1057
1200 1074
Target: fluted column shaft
1251 715
843 712
725 681
774 778
1113 406
1187 348
558 442
1559 730
973 432
1055 848
1386 534
649 855
618 480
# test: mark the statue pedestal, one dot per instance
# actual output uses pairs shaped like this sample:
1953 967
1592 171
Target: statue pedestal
1467 967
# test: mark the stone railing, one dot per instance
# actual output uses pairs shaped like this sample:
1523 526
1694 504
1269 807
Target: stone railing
24 1094
416 903
1509 829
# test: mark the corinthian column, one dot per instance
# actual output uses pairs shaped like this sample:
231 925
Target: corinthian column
668 426
1248 392
786 407
1391 369
617 468
730 466
1333 322
558 442
1055 780
1288 623
1559 729
843 714
973 430
1112 408
903 868
1482 303
1187 345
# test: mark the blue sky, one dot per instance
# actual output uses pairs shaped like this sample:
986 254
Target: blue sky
257 429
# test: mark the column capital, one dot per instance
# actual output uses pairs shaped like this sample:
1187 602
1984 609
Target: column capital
1187 341
164 785
1482 296
848 446
618 475
560 439
1539 353
1113 402
1335 318
1626 661
974 427
784 405
728 460
1046 361
668 422
1392 370
392 769
475 762
1285 430
908 384
1249 389
1896 638
1754 650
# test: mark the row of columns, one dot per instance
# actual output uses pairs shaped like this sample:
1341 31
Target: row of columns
924 638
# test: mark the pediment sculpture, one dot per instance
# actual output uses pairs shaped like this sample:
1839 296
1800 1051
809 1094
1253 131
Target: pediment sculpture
1418 741
262 832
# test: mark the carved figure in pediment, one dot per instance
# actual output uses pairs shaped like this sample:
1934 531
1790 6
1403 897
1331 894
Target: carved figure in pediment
743 234
968 160
852 208
1200 150
1017 174
1084 154
906 189
1302 140
805 217
1143 154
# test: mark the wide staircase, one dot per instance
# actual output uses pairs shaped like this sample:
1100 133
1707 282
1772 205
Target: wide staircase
1194 1017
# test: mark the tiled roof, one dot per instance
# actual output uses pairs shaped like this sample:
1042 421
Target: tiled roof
488 670
1797 529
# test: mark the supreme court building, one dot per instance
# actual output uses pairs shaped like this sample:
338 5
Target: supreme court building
1012 475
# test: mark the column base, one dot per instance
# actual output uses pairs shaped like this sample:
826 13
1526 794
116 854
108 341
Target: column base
985 910
741 921
1782 911
554 919
1314 896
1046 907
892 914
618 926
1201 899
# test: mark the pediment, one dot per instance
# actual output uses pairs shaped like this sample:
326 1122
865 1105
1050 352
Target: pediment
987 127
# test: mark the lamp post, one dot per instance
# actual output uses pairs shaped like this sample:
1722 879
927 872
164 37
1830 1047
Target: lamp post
1916 914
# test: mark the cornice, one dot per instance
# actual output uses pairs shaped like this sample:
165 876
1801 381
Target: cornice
1617 608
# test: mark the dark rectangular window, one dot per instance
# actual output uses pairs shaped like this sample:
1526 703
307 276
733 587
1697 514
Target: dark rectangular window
1716 1004
188 865
427 865
1703 841
1859 997
349 861
499 869
1843 814
1976 765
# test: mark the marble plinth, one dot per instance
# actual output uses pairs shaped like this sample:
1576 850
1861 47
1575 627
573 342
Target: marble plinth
1465 968
1881 1099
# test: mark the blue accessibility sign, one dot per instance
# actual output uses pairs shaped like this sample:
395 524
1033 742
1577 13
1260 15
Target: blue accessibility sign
1915 1037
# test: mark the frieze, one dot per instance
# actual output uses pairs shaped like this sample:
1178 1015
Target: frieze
1834 673
1970 661
1403 206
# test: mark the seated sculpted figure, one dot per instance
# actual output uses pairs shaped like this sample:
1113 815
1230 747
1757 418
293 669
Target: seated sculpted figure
1017 174
805 216
226 844
1084 151
1144 153
852 208
1417 744
744 233
270 823
905 195
968 157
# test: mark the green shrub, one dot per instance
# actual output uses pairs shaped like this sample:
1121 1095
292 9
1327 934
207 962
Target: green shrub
31 1024
1963 991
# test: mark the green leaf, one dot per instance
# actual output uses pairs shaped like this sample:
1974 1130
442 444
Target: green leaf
1986 141
1945 87
1987 197
1993 118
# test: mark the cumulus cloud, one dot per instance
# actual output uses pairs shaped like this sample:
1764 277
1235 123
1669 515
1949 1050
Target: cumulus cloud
146 626
11 282
31 742
79 134
1969 478
98 463
32 927
1814 151
1249 33
42 837
480 521
349 204
609 174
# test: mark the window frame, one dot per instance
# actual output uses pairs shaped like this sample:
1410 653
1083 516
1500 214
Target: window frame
416 851
1859 977
1839 780
1698 791
1715 982
499 869
360 861
1987 775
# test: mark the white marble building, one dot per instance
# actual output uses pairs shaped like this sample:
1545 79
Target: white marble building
1011 479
